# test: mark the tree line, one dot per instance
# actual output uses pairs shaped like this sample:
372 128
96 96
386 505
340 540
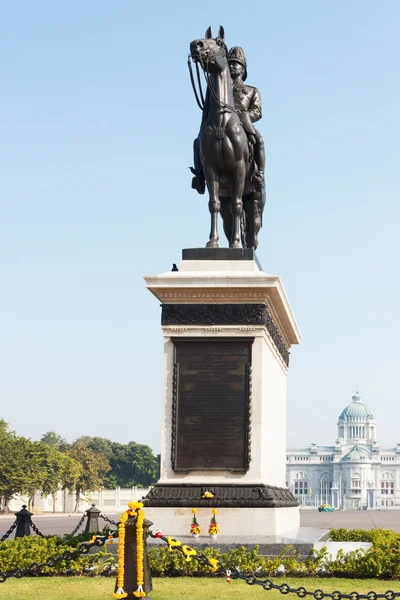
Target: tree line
88 464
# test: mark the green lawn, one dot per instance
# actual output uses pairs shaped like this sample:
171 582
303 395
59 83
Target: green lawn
84 588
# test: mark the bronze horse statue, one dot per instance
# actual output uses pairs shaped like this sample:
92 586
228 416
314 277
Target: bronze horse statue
225 151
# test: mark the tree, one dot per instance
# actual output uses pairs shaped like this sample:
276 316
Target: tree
53 439
90 464
22 469
97 444
61 471
136 464
92 473
8 477
131 464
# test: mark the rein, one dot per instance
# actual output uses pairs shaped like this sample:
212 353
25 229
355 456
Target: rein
199 83
221 104
200 104
207 76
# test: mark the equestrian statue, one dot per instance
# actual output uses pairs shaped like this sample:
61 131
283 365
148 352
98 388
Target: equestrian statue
229 153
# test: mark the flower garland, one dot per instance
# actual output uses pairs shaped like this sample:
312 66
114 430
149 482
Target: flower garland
213 528
121 556
139 551
195 527
134 509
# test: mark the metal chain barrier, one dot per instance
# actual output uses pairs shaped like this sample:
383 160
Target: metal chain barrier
79 524
9 531
35 568
108 520
266 584
35 529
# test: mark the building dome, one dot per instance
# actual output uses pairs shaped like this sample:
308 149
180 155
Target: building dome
356 410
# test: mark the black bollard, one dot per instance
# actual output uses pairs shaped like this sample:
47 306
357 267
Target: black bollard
23 522
92 525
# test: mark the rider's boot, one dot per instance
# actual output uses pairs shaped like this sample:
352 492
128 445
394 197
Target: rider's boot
258 180
198 181
259 158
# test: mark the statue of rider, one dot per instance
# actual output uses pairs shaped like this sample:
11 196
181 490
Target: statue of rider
248 104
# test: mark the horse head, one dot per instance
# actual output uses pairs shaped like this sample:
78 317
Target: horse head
210 51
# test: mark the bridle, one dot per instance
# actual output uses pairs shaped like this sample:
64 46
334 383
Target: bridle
196 95
204 60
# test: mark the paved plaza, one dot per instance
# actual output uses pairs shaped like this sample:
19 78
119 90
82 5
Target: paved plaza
358 519
351 519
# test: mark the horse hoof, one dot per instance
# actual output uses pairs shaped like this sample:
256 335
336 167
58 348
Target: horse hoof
212 245
234 245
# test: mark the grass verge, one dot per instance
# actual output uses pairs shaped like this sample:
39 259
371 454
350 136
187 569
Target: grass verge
84 588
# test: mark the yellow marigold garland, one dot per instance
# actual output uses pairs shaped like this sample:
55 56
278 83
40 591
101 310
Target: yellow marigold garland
120 593
134 509
139 552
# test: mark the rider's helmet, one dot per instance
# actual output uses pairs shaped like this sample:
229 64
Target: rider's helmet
236 54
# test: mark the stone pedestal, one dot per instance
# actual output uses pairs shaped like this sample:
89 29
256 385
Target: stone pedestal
228 329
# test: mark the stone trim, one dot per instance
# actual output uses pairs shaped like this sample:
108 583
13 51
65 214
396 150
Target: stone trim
249 411
224 496
217 296
225 314
173 412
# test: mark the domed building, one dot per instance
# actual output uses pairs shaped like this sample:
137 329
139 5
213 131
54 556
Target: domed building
355 473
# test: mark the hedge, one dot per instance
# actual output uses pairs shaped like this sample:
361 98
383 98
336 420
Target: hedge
382 560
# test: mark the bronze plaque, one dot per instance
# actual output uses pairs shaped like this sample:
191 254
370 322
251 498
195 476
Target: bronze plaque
212 404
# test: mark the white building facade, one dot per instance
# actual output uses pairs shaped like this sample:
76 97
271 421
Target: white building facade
355 473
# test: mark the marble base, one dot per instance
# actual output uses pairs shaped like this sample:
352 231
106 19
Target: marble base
225 295
232 521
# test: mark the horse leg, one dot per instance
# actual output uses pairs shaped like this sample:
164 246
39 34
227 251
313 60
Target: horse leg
257 207
252 213
256 223
226 216
239 175
246 222
214 205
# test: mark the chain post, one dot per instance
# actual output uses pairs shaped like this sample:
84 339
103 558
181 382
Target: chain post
24 522
133 571
92 524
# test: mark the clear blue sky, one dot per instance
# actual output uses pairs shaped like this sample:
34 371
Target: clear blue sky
95 194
